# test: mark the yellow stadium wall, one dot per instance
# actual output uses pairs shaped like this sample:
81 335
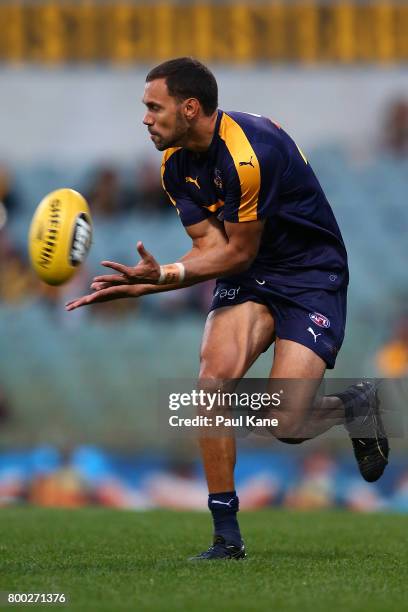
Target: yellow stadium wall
242 32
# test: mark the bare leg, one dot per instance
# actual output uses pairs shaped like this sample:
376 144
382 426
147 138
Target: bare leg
302 415
234 337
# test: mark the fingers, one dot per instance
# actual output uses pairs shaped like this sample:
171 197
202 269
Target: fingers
98 286
113 286
142 251
78 302
104 295
116 266
109 278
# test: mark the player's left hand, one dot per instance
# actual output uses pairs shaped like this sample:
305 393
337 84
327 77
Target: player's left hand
147 271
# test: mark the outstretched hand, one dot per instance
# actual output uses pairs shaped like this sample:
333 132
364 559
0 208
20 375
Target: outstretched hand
146 271
125 284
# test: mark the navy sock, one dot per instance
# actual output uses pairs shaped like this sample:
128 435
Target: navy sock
355 403
224 508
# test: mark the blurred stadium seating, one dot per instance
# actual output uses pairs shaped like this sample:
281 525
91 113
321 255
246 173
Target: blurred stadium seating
368 202
77 371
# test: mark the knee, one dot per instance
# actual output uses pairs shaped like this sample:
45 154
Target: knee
216 377
214 370
213 379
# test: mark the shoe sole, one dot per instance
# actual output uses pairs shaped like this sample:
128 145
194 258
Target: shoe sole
377 465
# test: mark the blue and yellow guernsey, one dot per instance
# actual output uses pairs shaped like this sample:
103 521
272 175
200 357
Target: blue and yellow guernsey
254 170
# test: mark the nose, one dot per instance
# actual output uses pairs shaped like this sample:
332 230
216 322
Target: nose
148 119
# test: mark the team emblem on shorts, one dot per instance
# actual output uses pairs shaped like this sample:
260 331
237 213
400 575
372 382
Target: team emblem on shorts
319 319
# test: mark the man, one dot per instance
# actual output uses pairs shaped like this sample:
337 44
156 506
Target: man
261 225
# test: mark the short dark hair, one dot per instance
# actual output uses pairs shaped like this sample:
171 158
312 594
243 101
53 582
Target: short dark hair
186 77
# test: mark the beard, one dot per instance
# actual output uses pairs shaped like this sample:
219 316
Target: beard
177 137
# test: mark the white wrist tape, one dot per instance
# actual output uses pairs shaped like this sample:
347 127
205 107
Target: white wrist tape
171 273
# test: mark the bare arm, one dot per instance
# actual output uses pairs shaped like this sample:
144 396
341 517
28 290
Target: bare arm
215 252
232 255
206 236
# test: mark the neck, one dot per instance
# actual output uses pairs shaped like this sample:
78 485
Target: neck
201 134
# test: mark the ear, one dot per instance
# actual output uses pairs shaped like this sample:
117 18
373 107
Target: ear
191 108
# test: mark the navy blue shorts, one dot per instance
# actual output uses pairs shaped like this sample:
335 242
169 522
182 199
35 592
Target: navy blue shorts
315 318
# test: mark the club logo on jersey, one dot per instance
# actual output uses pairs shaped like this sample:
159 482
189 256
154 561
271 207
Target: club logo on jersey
194 181
247 163
217 178
319 319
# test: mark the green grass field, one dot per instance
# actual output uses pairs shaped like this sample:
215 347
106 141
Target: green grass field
112 560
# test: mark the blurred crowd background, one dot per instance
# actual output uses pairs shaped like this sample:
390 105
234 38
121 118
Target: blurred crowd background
78 391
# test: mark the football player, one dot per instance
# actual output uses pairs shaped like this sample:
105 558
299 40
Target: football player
261 225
